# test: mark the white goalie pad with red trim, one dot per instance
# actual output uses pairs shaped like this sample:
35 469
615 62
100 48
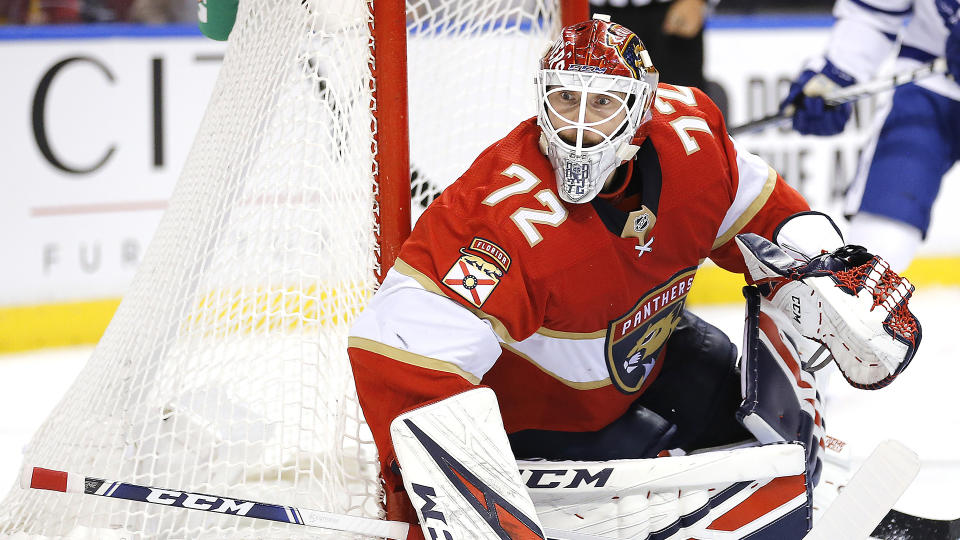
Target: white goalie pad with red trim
848 300
780 399
459 471
757 492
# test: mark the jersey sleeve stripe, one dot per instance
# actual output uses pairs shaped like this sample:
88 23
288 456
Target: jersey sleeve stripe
405 269
408 357
571 335
749 200
579 385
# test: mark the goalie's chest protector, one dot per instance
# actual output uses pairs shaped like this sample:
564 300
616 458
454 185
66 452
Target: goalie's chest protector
586 295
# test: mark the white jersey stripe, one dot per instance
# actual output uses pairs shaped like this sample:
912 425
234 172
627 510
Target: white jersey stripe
460 342
756 182
457 337
576 363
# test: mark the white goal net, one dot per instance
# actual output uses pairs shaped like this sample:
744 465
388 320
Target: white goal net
224 371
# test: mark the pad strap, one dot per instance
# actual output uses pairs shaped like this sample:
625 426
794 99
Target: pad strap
806 235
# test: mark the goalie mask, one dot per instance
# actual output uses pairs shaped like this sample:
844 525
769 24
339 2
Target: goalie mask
595 87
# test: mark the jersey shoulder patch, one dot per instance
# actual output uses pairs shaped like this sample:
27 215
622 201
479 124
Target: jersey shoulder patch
478 271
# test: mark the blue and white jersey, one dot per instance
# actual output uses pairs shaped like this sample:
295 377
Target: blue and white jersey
867 30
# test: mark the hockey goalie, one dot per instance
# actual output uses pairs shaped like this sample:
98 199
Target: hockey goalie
529 364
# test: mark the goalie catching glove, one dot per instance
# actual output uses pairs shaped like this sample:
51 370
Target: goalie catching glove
847 300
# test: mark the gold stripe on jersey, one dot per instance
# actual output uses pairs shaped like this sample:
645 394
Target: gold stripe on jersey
410 358
589 385
559 334
498 327
751 210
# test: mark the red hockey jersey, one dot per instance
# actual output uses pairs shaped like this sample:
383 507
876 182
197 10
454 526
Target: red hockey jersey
563 309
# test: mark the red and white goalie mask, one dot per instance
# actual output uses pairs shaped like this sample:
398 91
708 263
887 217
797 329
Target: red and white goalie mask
595 87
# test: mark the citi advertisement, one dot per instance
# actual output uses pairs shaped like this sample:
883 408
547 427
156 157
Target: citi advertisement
94 134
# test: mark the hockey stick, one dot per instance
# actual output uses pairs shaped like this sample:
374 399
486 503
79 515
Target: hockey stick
850 93
863 502
897 525
869 495
52 480
39 478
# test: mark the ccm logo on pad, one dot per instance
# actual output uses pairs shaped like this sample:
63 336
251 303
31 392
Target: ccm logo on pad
564 478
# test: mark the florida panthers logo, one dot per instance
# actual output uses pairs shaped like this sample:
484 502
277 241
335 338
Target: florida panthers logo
630 50
634 341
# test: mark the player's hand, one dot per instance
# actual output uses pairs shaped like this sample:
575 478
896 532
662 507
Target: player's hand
684 18
812 115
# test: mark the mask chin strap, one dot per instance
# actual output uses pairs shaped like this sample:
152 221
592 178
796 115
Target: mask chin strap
543 143
627 151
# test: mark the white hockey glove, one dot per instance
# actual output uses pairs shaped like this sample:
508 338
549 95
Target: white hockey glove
706 495
459 471
848 300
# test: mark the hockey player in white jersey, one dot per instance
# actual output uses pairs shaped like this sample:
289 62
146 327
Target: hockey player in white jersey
917 137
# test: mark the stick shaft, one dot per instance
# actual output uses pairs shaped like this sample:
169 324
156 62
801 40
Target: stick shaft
52 480
760 123
857 91
869 495
850 93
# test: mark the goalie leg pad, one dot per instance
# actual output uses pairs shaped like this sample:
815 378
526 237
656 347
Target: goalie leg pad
780 399
459 472
715 494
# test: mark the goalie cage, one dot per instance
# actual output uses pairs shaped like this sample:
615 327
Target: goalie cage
224 369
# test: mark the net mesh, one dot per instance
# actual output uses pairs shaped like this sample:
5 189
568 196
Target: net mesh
224 369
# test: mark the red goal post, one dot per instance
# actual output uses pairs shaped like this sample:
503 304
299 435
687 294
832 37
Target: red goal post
390 64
